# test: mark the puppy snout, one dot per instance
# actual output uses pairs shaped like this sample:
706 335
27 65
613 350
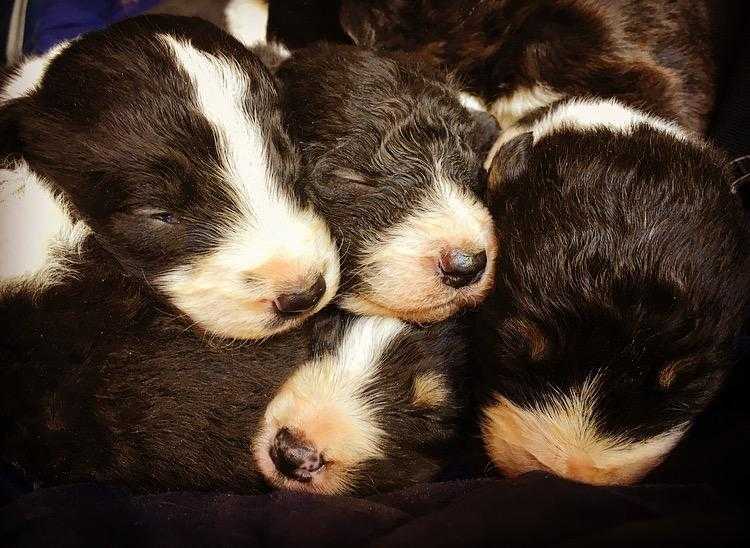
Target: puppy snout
301 301
460 268
294 457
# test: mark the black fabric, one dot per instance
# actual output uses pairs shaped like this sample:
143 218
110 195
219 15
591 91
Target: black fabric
534 509
699 496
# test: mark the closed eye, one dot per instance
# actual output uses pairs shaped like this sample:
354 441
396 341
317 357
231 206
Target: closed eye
166 217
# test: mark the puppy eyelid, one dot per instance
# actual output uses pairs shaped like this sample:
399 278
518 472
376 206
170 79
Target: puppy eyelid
352 176
157 214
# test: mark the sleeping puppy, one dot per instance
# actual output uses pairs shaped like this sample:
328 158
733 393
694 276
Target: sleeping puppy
518 57
161 138
623 274
392 163
623 282
337 405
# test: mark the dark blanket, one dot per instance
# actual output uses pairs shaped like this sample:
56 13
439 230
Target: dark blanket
698 496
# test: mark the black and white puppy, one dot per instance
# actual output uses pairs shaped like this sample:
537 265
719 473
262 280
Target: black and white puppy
337 405
162 138
393 164
623 274
623 281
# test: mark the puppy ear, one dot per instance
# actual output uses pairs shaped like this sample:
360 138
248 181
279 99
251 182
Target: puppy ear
362 21
11 114
509 162
487 132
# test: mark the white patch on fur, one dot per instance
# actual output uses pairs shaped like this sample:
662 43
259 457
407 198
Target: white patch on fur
561 435
28 75
38 238
587 115
325 403
247 20
471 102
280 247
401 268
508 110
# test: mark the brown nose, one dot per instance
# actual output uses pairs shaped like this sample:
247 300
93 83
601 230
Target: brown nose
294 457
461 268
300 301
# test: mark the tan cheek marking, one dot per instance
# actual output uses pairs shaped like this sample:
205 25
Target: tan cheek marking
430 390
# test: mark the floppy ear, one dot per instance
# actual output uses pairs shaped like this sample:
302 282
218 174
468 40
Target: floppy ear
11 114
509 162
487 132
362 21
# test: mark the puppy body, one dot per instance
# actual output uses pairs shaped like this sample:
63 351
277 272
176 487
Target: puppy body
622 286
623 273
124 394
517 57
163 136
392 164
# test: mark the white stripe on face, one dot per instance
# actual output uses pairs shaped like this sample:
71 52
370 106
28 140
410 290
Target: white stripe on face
28 75
324 401
270 239
562 436
38 238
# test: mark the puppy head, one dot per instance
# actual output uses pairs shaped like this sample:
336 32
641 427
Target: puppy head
623 280
393 168
375 411
164 135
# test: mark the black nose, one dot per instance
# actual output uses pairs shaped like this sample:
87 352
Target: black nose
460 268
302 301
294 457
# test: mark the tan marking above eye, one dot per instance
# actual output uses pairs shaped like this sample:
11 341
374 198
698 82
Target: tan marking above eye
430 390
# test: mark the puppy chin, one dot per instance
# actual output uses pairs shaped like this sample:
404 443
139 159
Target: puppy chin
564 441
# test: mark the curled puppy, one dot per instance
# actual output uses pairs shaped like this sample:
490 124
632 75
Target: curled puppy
161 137
392 165
337 405
623 281
518 57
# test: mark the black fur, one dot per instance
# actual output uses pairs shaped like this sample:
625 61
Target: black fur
97 387
619 263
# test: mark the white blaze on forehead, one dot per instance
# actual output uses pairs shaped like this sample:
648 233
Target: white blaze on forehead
562 435
325 402
589 115
38 238
592 114
222 87
247 20
29 73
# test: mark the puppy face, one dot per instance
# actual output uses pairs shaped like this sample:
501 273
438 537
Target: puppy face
623 280
164 135
394 170
375 411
